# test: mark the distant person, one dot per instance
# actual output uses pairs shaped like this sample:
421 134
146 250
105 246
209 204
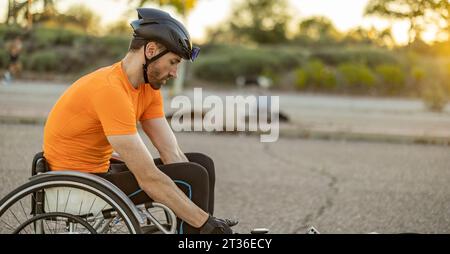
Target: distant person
14 65
98 114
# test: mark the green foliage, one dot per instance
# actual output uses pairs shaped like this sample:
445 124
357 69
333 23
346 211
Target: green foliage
434 97
318 75
364 55
3 58
357 77
301 79
215 68
329 80
44 61
315 69
274 76
226 63
392 77
114 47
417 74
45 37
8 32
48 49
62 60
315 75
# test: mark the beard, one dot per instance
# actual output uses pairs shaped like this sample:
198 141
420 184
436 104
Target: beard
155 85
155 79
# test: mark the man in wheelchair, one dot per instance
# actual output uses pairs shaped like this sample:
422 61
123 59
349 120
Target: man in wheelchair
92 127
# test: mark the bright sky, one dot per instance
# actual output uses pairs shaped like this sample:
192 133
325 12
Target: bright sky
345 14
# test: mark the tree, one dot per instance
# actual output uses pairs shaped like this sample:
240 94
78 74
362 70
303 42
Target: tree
20 11
82 17
417 12
361 35
260 21
317 30
16 11
443 9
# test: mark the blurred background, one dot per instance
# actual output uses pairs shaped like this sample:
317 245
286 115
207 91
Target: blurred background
365 47
363 85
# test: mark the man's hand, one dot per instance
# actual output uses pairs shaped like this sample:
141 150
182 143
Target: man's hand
217 226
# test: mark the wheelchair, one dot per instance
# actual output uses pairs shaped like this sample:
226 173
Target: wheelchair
71 202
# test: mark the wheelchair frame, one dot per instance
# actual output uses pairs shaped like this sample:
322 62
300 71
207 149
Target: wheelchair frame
132 214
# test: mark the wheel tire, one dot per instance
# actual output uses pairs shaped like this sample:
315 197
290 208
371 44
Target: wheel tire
76 182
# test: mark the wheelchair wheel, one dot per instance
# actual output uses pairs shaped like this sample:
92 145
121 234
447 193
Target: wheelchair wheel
57 216
65 204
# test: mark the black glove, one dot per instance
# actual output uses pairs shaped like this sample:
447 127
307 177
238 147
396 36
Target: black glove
217 226
229 222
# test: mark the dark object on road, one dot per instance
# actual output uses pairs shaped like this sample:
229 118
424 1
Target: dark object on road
253 80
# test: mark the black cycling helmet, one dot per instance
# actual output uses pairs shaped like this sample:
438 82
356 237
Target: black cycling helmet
159 26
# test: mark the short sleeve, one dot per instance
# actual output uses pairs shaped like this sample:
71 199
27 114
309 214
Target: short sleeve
156 107
115 111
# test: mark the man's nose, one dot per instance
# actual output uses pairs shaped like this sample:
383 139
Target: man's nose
173 72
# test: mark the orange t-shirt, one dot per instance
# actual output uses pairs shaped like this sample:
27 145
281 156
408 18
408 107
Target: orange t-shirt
97 105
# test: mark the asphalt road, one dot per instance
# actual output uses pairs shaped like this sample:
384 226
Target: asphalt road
336 186
360 118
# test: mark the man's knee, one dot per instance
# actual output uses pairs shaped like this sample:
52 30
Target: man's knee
201 159
195 171
186 171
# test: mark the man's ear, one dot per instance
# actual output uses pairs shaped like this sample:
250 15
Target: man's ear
150 49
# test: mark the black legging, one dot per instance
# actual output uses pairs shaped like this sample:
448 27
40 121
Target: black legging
195 178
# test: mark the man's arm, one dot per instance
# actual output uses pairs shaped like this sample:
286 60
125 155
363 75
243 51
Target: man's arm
155 183
163 138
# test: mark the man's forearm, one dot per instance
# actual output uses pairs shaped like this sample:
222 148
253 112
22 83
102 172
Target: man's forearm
166 157
174 156
163 138
154 182
165 191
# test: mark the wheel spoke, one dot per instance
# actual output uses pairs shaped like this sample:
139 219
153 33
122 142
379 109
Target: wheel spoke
90 208
67 201
12 228
49 230
15 216
56 225
23 209
57 196
46 201
79 211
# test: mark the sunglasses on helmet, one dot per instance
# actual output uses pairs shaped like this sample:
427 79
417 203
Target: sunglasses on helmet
194 53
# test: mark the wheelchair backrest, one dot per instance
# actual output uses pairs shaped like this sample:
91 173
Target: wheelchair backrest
39 164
